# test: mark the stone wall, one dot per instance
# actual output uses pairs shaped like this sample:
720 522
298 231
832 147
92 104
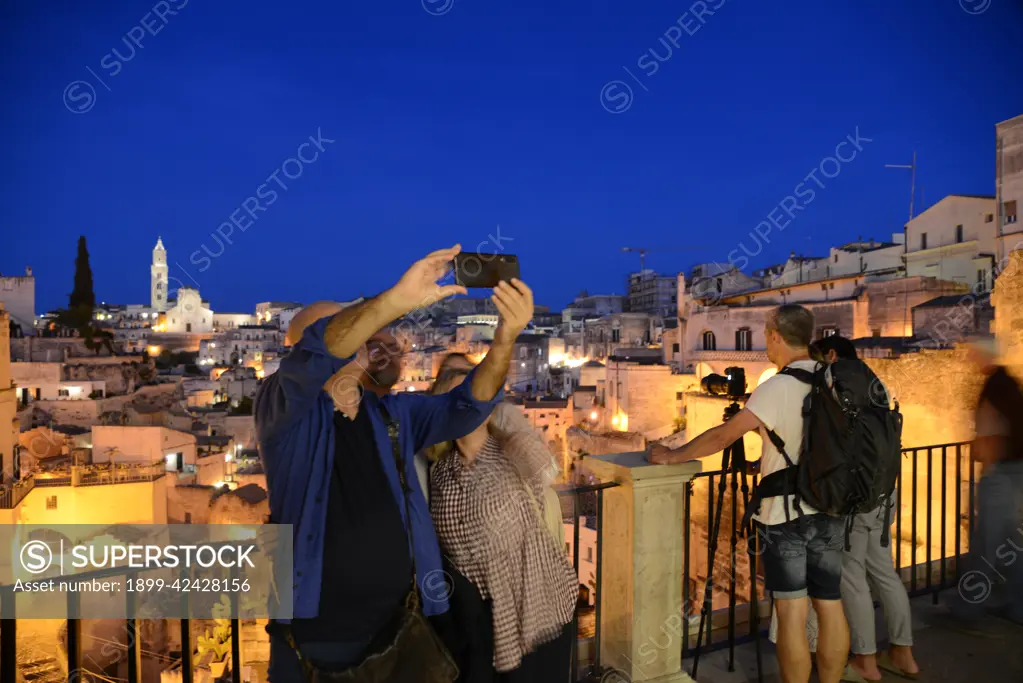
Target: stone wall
120 378
937 392
195 501
1008 302
49 349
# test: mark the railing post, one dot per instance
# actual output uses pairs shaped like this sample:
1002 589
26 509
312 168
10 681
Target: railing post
8 637
642 618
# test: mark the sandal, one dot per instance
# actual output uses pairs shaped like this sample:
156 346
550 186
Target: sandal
853 676
884 661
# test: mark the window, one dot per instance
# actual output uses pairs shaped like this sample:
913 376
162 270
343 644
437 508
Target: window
719 285
63 392
709 342
675 348
981 278
743 339
678 395
51 502
831 285
836 258
589 554
959 234
616 335
828 332
188 518
923 240
876 332
1010 211
988 217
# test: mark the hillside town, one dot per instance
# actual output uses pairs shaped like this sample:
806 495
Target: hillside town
142 413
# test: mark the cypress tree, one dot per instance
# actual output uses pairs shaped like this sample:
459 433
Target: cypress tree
82 296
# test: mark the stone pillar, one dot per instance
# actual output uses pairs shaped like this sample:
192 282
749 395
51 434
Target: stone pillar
641 621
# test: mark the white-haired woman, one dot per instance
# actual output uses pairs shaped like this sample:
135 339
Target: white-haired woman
514 590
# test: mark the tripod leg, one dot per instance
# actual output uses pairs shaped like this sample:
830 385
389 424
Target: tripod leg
734 542
712 542
752 545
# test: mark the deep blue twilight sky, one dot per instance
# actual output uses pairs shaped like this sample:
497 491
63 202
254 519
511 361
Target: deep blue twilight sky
490 113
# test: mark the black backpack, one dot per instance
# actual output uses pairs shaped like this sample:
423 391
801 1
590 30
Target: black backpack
851 452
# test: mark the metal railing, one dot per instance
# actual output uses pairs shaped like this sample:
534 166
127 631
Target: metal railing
933 556
586 499
133 646
12 494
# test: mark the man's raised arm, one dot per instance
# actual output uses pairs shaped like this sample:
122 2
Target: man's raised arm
325 339
352 327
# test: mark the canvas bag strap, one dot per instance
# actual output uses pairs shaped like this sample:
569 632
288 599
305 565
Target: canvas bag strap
412 601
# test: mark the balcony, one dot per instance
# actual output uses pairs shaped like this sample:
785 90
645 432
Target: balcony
640 617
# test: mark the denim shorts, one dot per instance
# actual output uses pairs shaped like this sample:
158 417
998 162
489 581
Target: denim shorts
803 557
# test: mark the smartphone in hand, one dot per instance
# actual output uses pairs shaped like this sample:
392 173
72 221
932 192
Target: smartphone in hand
477 270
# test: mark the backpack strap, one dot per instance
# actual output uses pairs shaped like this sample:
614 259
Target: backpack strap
804 376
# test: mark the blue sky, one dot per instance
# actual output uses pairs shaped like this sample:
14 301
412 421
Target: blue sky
449 119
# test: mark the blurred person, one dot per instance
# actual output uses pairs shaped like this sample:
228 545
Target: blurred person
994 564
868 557
514 590
802 548
331 471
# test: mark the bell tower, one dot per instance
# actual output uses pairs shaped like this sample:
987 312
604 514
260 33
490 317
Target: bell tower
158 277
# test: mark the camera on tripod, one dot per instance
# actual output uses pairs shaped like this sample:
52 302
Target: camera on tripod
732 384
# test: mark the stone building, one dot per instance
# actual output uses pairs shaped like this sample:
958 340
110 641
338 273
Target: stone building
1009 185
233 346
946 320
604 336
189 314
9 425
158 278
18 295
229 321
730 330
644 396
955 240
528 371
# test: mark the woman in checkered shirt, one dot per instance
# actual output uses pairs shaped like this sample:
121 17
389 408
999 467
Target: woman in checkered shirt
514 590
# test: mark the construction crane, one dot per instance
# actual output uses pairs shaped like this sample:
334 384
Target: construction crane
643 251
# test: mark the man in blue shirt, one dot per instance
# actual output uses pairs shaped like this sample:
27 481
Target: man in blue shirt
331 472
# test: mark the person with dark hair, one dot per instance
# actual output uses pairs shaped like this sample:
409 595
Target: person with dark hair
339 468
830 349
802 548
867 559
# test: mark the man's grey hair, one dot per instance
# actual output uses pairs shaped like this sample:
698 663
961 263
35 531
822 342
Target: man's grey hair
794 323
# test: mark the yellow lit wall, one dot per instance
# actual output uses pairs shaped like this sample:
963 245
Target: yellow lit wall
141 503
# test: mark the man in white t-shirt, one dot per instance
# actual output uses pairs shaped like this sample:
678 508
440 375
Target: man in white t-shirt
802 549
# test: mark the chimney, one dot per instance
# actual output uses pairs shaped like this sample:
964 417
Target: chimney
28 271
792 254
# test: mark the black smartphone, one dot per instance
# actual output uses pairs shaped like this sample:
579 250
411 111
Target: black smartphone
484 270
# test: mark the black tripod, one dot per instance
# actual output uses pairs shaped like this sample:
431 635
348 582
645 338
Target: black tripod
733 460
